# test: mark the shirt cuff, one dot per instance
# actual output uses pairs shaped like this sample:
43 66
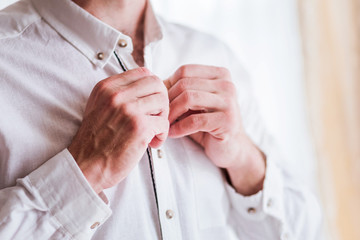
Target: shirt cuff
267 202
69 197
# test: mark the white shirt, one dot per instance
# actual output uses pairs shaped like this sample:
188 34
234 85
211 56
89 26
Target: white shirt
49 63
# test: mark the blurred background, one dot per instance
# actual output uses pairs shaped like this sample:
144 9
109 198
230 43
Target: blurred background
304 59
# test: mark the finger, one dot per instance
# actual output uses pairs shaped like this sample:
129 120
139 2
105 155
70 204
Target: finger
167 83
192 84
155 104
141 88
201 122
160 130
145 86
199 71
158 140
196 101
127 77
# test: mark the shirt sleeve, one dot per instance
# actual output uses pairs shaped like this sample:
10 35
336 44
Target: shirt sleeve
283 209
53 202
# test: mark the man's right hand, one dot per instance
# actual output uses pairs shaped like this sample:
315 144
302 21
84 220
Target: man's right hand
125 113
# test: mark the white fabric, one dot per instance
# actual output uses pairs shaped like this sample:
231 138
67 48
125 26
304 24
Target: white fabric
48 67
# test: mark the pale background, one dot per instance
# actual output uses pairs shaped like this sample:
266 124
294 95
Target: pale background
265 35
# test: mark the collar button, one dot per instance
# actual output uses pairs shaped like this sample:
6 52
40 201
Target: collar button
122 43
100 56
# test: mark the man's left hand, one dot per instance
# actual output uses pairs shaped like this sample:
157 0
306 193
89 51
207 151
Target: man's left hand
203 106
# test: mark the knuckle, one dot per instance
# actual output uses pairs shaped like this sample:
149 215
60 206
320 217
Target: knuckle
157 83
228 87
183 70
183 84
229 104
147 81
224 72
227 115
153 78
102 86
175 128
188 96
113 100
193 119
194 96
142 71
202 121
231 119
126 109
137 125
196 120
230 114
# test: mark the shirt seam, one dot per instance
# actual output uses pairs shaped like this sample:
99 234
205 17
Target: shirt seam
54 200
18 34
89 193
51 212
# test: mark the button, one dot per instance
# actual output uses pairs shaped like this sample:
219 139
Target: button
159 153
122 43
251 210
270 203
100 56
169 214
95 225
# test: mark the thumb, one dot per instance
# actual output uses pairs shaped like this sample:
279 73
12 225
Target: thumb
158 140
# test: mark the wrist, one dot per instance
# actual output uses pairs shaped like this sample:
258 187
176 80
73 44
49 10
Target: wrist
93 175
91 171
248 173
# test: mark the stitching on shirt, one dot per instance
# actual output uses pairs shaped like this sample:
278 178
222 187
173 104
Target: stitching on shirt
61 227
86 187
18 34
54 218
89 195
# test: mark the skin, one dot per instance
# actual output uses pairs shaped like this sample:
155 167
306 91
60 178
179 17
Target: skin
127 112
127 16
204 107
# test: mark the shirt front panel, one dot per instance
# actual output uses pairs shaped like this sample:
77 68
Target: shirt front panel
45 102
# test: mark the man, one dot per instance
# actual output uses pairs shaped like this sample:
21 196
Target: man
95 145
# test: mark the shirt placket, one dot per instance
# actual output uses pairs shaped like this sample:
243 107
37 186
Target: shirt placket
168 210
167 206
163 187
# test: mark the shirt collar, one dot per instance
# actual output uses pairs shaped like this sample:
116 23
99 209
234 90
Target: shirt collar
153 28
87 33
